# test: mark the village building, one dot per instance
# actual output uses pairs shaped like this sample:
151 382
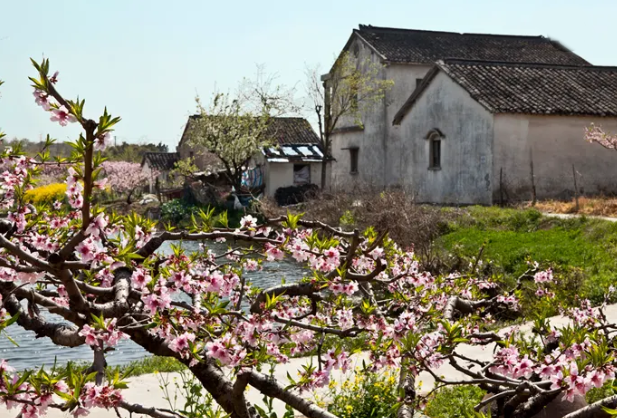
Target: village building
518 102
157 166
294 158
490 132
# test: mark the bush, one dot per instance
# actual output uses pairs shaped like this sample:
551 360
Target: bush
369 395
176 210
46 194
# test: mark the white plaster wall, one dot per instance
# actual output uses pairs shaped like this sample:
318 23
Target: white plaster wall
147 171
555 143
282 175
370 140
466 154
404 77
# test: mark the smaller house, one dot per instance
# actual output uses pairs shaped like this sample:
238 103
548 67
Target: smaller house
161 163
294 158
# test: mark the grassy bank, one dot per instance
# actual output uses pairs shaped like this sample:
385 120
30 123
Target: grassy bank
146 365
581 251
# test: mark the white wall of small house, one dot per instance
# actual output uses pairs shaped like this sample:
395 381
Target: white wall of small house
555 144
145 168
466 148
279 175
375 167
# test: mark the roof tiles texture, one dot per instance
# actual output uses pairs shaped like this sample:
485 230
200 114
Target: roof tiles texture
536 88
419 46
282 130
162 161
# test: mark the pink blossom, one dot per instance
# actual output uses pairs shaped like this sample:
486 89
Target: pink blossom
62 116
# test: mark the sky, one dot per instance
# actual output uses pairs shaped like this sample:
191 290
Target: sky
147 60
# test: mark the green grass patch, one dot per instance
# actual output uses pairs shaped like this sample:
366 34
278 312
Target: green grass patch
454 402
146 365
581 251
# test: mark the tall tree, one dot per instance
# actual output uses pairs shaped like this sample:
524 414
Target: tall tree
351 88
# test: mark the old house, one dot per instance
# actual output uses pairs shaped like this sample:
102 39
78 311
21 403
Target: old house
382 152
294 158
156 167
485 132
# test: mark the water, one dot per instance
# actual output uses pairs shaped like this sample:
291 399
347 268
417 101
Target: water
34 352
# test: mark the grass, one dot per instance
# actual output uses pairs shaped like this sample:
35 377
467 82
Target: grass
581 251
454 402
147 365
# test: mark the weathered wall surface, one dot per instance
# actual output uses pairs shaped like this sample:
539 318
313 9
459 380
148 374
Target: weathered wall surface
374 169
555 144
404 77
282 175
369 140
466 154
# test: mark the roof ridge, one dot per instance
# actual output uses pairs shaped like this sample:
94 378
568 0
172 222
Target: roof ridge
525 64
369 28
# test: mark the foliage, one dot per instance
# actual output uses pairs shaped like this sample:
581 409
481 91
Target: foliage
123 152
198 403
367 395
104 276
581 251
177 210
352 88
124 177
226 130
454 402
46 194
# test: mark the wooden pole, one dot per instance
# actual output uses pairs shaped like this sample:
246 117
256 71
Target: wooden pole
501 186
533 180
575 188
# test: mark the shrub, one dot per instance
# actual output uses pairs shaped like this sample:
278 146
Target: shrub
46 194
176 210
369 395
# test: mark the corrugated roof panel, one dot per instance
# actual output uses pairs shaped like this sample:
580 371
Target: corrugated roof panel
289 151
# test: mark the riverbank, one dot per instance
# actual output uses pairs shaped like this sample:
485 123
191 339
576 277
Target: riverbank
147 389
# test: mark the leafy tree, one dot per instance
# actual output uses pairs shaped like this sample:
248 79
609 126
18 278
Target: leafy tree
102 274
350 89
233 134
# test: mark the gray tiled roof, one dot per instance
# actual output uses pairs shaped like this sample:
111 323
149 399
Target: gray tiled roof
530 88
162 161
282 130
420 46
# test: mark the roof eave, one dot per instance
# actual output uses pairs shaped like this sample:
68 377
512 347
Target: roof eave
400 115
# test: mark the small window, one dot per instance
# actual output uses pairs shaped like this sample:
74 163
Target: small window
302 174
191 154
418 82
353 160
434 144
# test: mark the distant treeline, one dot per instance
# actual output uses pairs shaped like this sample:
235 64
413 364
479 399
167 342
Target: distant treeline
122 152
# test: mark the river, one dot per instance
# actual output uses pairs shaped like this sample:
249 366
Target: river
34 352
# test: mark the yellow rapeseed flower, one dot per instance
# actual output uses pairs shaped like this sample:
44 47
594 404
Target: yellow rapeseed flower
349 408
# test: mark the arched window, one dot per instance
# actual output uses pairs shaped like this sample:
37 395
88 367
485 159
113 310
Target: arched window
434 138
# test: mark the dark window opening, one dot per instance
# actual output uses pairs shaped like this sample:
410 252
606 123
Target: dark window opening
353 160
302 173
434 151
418 82
191 154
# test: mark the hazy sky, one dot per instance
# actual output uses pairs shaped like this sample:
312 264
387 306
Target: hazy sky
146 60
